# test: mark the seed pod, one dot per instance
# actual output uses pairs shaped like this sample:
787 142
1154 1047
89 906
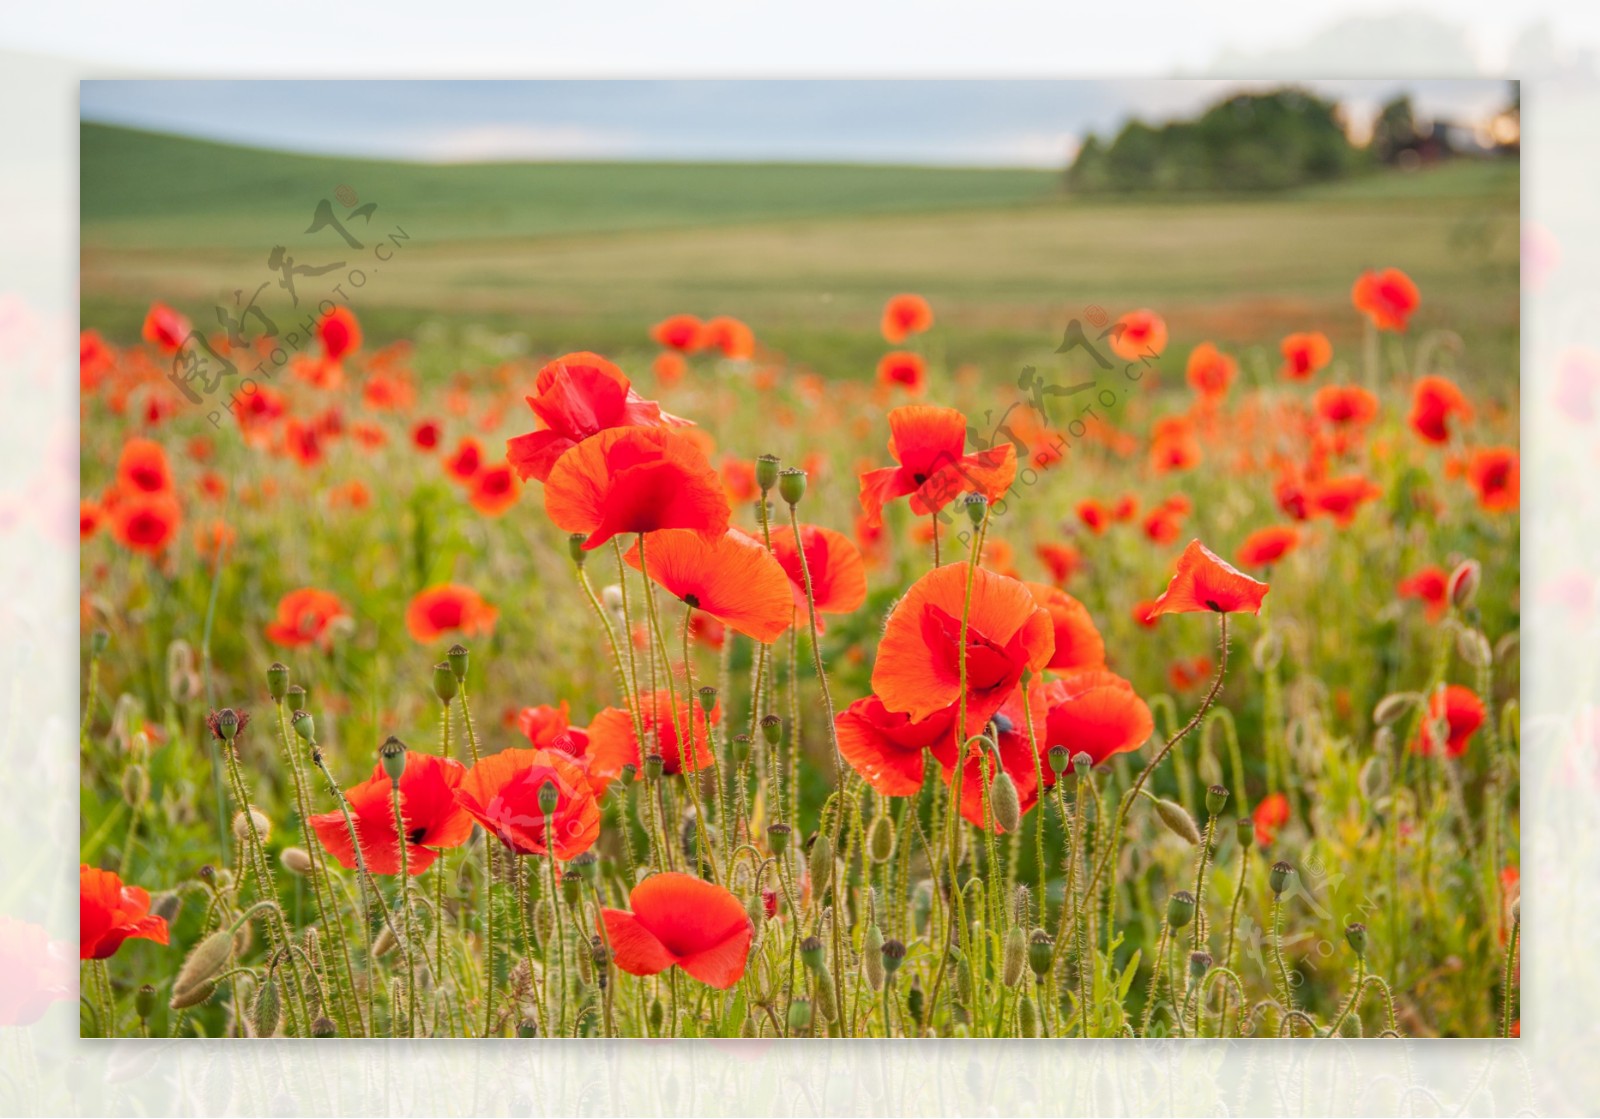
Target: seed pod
1199 964
1040 951
1015 957
304 726
977 506
1027 1017
1082 764
767 472
193 996
205 961
227 724
771 729
1246 828
98 640
1278 877
277 681
1059 759
1178 821
527 1027
445 684
324 1027
144 1001
872 957
654 766
1355 934
820 864
827 997
880 838
1216 800
799 1015
296 860
1180 909
459 660
266 1011
916 1003
241 826
894 952
392 756
1004 802
778 838
811 952
792 484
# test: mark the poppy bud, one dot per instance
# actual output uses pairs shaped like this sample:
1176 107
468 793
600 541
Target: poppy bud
458 658
767 472
544 920
304 726
144 1001
755 909
1082 763
1474 648
227 721
820 864
549 797
1059 759
1516 911
575 548
384 942
1216 800
296 860
445 685
392 756
1180 909
1040 951
1015 957
1463 584
266 1011
324 1027
748 1028
658 1015
207 873
204 962
977 506
1004 802
278 681
880 838
1027 1017
1278 876
1392 707
1246 828
958 961
653 765
1355 934
791 484
1178 820
827 996
135 785
241 825
778 837
872 957
192 996
167 906
611 597
771 729
799 1015
98 640
894 952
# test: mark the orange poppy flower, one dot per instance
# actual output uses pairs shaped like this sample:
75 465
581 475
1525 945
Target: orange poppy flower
1185 674
90 516
683 333
636 479
1126 508
501 792
1173 445
1496 473
1345 406
579 395
1431 585
904 369
1093 712
928 443
110 913
677 920
96 358
1342 498
1210 372
1016 759
1163 525
142 467
544 724
1061 560
164 328
739 480
1144 612
732 578
1143 334
1305 354
434 820
612 744
838 574
304 616
465 461
448 608
1388 298
1460 711
145 522
1266 546
886 747
1078 643
1094 515
1205 582
669 368
918 669
734 339
339 334
494 490
903 316
1270 815
1434 401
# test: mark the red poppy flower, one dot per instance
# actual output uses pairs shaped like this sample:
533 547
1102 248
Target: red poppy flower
339 334
636 479
1126 508
1387 298
110 913
579 395
1432 585
928 442
501 792
1434 401
679 920
1342 498
146 522
38 972
142 467
1460 711
1210 372
683 333
886 747
1305 354
1061 560
1270 815
838 574
164 328
1143 334
1345 406
90 515
1094 515
918 669
1017 759
448 608
1093 712
544 724
903 316
1173 445
433 819
494 490
1163 526
96 358
1078 642
304 616
669 368
465 461
1204 581
612 744
1144 612
904 369
426 435
1185 674
732 578
1266 546
734 339
1496 474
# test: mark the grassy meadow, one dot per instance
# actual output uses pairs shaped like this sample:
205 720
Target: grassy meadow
503 268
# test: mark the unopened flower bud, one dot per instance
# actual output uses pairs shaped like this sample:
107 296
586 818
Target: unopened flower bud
241 825
1004 802
1474 648
1267 651
278 681
791 484
1015 957
1278 877
1180 909
1216 800
1391 708
767 472
880 838
324 1027
1027 1017
192 996
827 995
458 659
204 962
135 785
392 756
1178 820
267 1009
445 684
1464 582
296 860
611 597
820 864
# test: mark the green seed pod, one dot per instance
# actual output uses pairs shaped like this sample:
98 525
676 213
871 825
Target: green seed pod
266 1011
445 684
820 864
977 507
205 961
1355 935
227 721
575 548
1216 800
778 838
459 660
1199 964
586 866
826 995
1059 758
192 996
304 726
791 484
324 1027
799 1015
571 888
144 1002
527 1027
654 766
1246 828
277 681
549 797
98 640
749 1028
872 957
1082 764
772 729
1040 952
880 838
1027 1017
1004 802
1278 877
1015 957
894 953
392 756
1180 909
1178 821
811 953
297 697
767 472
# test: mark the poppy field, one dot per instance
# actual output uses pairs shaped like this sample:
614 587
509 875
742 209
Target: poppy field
1163 686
